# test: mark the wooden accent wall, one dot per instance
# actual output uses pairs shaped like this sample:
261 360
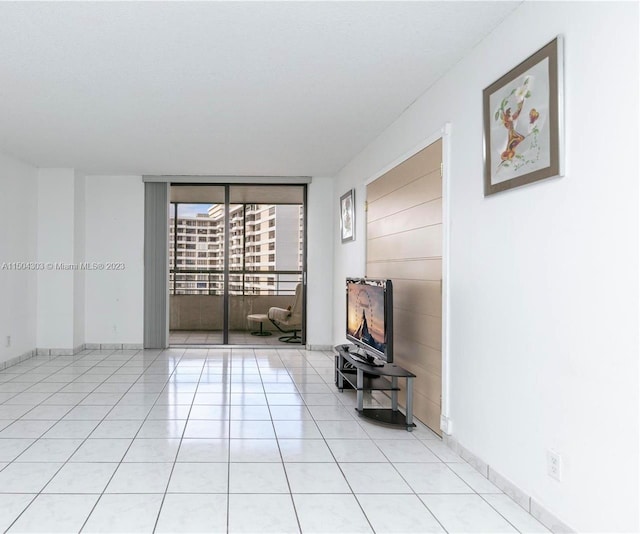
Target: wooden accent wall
404 243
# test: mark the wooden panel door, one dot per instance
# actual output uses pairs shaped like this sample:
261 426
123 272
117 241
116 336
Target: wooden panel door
404 244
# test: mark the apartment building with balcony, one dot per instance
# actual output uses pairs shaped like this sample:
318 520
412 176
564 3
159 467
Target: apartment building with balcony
265 249
195 244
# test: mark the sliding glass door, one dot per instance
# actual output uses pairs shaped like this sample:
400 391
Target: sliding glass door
235 251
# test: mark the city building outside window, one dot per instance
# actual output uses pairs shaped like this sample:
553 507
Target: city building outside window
199 233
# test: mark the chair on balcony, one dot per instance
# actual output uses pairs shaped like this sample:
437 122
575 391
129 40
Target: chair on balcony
289 321
259 318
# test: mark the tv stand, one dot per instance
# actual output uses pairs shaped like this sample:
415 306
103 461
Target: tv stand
365 377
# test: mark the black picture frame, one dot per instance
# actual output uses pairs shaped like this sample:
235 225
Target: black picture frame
347 216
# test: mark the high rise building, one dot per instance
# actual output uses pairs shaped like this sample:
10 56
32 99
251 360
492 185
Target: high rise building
265 249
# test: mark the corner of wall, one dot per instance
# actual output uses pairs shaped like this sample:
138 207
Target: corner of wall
319 262
18 253
79 255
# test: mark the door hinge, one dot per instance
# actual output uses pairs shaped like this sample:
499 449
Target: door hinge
366 206
441 169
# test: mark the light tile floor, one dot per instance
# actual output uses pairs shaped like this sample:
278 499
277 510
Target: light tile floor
220 440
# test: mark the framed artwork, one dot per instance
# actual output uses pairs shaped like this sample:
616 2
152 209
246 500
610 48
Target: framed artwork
347 216
523 122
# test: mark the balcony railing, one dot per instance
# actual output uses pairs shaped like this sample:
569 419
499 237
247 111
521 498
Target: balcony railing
241 282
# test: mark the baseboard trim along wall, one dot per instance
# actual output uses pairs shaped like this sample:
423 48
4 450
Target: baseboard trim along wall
113 346
527 502
321 348
59 352
17 359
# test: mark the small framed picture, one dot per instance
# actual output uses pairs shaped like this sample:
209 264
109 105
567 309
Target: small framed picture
347 216
523 122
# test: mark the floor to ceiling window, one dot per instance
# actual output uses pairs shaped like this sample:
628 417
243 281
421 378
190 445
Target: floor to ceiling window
234 253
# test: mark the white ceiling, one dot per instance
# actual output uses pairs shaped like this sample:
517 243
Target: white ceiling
290 88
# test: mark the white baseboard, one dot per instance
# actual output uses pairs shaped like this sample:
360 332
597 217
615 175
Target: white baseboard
547 518
18 359
519 496
58 352
319 347
40 353
112 346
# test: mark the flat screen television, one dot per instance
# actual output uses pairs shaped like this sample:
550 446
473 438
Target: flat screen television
370 316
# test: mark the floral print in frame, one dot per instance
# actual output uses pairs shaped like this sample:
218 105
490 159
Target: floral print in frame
523 122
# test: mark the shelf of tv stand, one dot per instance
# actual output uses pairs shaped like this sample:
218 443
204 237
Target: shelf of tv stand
376 378
371 383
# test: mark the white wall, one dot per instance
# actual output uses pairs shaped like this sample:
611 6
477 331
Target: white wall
56 188
18 243
79 257
544 278
114 233
319 261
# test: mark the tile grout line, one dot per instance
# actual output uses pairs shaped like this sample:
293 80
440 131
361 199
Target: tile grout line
102 493
340 467
104 419
229 440
40 492
175 460
482 496
441 461
296 374
293 503
403 479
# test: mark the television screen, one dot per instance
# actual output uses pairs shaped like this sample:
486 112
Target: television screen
369 316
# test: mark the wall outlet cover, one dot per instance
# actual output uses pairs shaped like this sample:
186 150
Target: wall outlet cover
554 464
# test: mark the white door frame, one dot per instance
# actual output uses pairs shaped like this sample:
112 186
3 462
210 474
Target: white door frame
443 133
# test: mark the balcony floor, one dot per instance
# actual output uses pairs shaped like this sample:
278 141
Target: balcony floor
214 337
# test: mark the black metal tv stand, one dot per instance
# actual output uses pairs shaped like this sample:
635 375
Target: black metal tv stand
365 377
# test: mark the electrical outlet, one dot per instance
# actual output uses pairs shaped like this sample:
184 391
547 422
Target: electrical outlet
8 341
554 465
